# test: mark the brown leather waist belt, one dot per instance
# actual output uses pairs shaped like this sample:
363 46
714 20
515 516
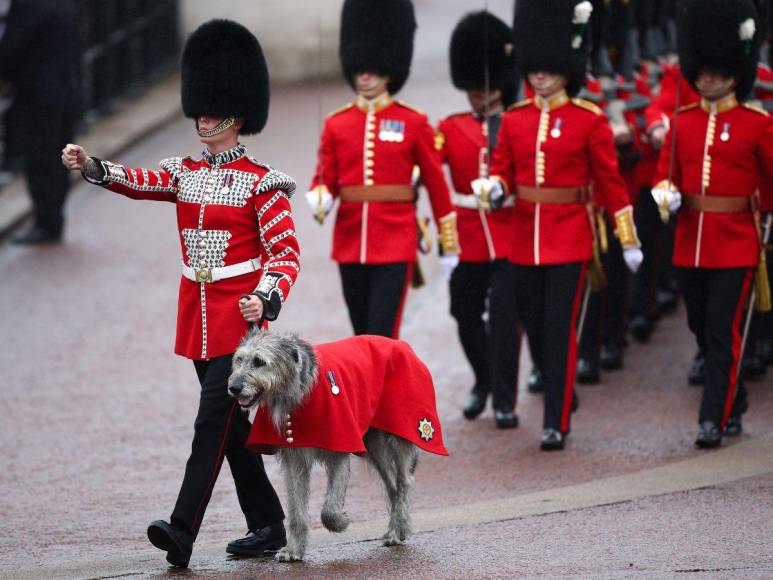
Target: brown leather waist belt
718 203
552 194
377 193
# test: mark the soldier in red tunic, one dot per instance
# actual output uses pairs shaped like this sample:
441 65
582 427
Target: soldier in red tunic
723 155
240 258
551 151
367 154
482 64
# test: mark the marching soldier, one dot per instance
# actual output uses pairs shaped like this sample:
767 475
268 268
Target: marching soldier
367 154
723 154
240 259
551 150
482 64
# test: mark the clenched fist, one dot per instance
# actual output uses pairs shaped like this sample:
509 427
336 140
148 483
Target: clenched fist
73 157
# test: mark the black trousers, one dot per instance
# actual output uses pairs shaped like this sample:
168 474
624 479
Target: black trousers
605 315
549 300
220 430
716 301
45 133
654 244
469 289
375 296
505 332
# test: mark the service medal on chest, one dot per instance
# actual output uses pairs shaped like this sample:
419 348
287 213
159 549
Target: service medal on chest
555 132
391 131
725 135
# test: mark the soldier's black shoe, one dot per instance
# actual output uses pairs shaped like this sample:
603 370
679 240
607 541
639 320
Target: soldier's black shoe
263 542
534 383
505 419
474 406
734 426
641 328
36 236
611 356
588 371
666 301
697 374
176 542
575 401
709 436
552 440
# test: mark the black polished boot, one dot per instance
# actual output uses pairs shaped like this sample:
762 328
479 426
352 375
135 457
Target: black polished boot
709 436
36 236
697 374
263 542
505 419
534 383
552 440
474 406
611 356
588 371
641 328
175 541
734 426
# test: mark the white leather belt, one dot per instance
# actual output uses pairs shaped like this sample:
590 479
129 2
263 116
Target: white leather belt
469 201
215 274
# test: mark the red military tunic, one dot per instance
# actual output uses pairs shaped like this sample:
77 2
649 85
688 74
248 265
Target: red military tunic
363 382
725 149
556 143
230 209
483 236
379 143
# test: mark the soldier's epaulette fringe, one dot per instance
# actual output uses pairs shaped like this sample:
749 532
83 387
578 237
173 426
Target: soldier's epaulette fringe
346 107
410 107
756 109
686 108
587 105
520 104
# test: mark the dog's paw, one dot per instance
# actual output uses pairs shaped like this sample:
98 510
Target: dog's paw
335 521
393 538
288 554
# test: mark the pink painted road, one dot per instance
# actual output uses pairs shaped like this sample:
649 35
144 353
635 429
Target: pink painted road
96 417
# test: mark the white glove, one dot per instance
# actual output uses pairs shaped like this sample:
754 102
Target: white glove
633 258
448 262
488 192
319 201
668 201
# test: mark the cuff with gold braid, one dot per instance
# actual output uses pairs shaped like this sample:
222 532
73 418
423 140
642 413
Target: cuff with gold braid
625 228
449 236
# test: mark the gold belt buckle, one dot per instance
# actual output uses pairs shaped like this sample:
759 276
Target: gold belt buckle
203 274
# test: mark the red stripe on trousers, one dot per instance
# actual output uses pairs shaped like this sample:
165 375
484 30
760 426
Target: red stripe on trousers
737 338
399 315
571 359
216 468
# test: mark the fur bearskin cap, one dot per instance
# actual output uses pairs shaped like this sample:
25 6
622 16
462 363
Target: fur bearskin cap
722 36
224 73
377 36
480 38
550 36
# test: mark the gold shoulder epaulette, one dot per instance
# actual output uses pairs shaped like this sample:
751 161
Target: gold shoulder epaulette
686 108
587 105
756 109
520 104
346 107
410 107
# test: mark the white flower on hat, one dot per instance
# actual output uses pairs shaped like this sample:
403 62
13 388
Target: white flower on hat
582 12
747 29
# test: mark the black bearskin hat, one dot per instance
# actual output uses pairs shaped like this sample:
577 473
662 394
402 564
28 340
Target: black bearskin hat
377 36
224 73
718 35
547 38
482 40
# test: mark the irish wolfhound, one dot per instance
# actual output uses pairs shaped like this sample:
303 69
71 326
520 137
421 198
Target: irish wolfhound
367 395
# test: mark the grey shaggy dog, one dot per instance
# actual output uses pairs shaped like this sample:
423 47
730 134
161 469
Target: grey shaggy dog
279 371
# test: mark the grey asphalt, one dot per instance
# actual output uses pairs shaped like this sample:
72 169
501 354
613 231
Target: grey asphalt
96 413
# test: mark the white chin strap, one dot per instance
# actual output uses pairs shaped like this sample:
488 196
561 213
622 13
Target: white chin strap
227 123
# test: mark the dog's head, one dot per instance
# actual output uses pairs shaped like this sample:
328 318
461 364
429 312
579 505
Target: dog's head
272 369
